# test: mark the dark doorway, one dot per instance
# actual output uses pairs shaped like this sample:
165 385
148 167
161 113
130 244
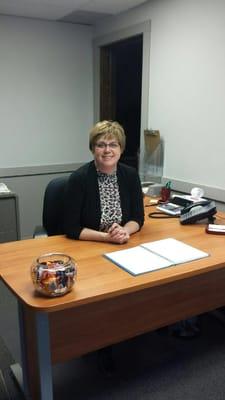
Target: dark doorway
120 90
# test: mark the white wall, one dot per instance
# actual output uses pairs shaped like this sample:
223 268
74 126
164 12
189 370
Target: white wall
46 107
46 95
187 85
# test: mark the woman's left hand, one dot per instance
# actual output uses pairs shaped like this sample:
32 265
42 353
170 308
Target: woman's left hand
118 234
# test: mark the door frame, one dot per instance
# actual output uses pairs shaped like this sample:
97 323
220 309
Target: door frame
144 29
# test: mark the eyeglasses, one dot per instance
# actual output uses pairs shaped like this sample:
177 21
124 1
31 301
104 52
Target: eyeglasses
103 145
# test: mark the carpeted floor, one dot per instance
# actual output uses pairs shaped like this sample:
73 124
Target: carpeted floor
154 366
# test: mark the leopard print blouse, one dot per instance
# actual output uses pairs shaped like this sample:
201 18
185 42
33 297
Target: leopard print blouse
109 200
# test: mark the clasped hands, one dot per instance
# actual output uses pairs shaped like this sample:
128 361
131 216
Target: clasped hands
118 234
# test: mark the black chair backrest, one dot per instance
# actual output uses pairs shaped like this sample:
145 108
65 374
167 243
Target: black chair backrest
53 208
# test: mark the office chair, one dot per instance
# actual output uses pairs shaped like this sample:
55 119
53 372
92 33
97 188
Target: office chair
53 206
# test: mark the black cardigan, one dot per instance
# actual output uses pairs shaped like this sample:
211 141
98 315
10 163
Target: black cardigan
82 201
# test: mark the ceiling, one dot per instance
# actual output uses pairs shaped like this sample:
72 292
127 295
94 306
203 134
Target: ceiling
86 12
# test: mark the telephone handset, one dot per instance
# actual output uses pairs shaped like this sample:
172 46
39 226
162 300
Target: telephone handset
198 211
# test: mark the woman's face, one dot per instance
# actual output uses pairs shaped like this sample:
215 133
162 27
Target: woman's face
107 152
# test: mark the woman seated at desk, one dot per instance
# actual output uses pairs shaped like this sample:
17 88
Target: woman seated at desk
104 200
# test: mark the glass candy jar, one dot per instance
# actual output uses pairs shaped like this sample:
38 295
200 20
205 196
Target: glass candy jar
53 274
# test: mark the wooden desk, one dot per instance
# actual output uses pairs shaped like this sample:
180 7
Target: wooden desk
107 305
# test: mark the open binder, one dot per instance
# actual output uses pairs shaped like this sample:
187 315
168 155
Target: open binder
155 255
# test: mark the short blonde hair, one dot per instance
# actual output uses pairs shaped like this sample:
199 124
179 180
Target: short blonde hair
108 130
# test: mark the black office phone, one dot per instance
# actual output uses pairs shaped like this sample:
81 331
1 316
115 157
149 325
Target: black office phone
198 211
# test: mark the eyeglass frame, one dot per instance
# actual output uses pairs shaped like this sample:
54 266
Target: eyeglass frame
104 145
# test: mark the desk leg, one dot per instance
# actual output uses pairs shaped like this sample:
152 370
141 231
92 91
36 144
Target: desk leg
44 356
44 369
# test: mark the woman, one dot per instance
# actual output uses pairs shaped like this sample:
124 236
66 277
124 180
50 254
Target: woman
104 199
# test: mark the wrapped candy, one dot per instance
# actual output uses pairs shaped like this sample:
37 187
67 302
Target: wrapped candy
53 274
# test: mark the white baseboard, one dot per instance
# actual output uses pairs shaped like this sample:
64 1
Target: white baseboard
38 170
